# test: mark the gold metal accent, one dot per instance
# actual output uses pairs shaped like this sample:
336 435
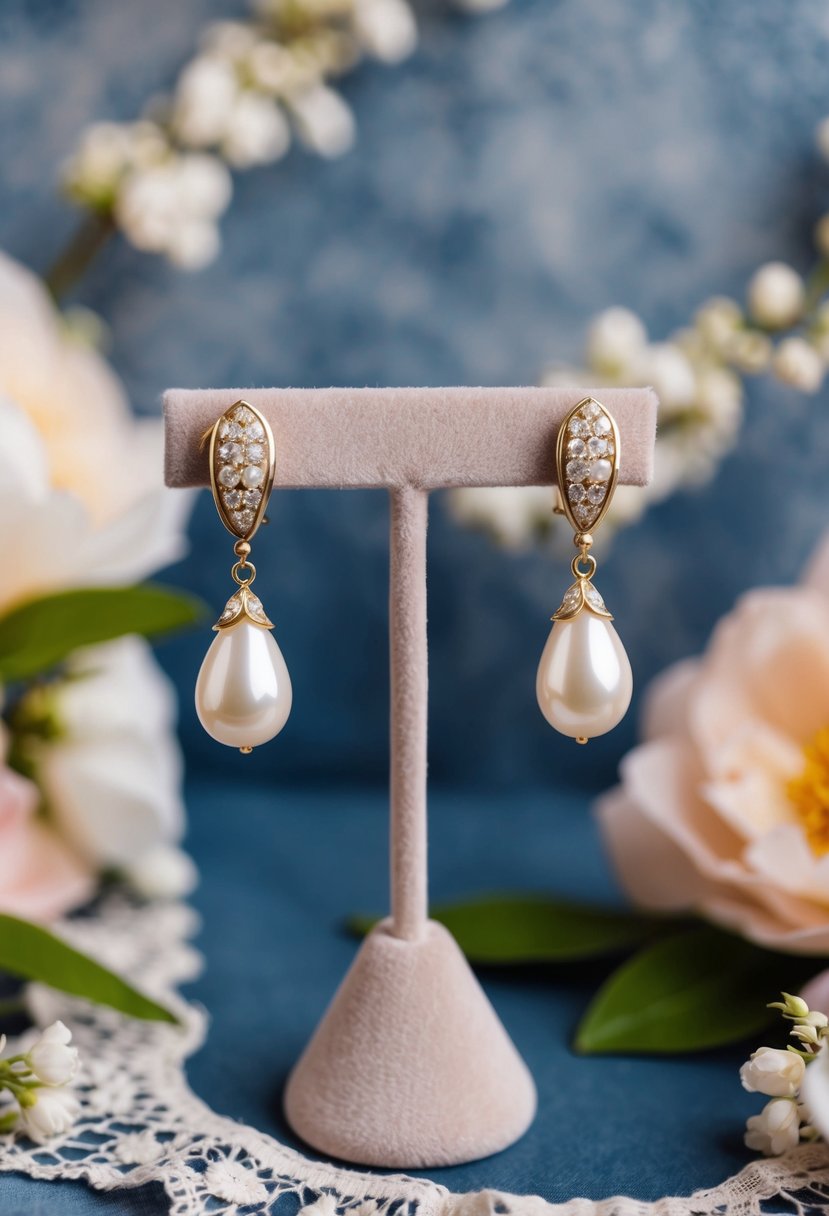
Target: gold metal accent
562 460
243 603
582 739
581 596
267 484
247 750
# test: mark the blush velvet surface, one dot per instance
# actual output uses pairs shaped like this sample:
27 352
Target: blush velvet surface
523 170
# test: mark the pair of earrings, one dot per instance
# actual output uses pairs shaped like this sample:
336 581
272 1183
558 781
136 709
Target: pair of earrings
243 690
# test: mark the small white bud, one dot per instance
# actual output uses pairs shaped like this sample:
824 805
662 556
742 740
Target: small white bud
775 1130
773 1072
776 295
615 340
796 362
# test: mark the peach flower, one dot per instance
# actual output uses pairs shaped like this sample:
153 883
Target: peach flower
40 878
723 810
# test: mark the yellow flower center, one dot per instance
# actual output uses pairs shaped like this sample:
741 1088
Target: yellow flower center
809 792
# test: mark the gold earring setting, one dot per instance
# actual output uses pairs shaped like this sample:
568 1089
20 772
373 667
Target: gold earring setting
243 690
584 683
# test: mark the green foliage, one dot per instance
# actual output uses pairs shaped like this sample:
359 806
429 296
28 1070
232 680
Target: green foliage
37 635
33 953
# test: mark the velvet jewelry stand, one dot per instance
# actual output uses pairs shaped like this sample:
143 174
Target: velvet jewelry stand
410 1066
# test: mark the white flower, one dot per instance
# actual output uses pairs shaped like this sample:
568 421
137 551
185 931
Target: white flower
257 132
719 395
229 39
171 208
615 340
53 1111
204 185
82 478
162 872
775 1130
234 1182
386 28
194 245
718 320
668 369
147 207
749 350
323 121
112 781
94 170
776 295
822 138
773 1072
515 515
51 1058
815 1092
796 362
205 94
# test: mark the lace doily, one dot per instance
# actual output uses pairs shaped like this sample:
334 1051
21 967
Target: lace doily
141 1123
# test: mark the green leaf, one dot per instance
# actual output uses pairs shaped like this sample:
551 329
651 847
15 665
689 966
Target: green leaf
536 929
691 991
38 634
33 953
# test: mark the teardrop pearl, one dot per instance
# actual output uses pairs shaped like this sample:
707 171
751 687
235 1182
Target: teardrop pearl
243 693
584 682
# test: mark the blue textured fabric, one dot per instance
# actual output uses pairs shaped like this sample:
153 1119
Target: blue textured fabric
522 171
273 902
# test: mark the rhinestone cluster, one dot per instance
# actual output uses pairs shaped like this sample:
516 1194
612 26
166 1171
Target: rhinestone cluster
243 603
581 594
590 457
242 460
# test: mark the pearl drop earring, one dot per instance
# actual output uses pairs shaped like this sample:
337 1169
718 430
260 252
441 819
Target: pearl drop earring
243 690
584 682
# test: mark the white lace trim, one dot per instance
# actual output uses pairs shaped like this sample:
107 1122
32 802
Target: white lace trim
141 1123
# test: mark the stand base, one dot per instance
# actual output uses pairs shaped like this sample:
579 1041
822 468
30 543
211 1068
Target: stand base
410 1066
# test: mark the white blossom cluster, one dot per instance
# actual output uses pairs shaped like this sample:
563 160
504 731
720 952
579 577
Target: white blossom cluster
38 1083
698 373
784 1121
165 180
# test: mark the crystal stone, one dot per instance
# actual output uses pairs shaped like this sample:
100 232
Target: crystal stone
233 498
242 520
595 494
228 476
230 430
252 498
232 452
597 447
244 415
577 470
576 493
593 598
254 429
591 410
601 425
255 453
576 447
578 426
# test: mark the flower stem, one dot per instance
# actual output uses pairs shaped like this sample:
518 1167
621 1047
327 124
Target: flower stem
90 237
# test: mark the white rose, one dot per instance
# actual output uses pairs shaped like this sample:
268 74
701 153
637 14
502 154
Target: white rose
775 1130
776 295
323 120
257 132
796 362
386 28
112 782
615 340
773 1072
53 1112
51 1059
205 94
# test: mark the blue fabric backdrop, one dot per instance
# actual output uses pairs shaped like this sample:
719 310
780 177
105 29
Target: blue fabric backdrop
520 172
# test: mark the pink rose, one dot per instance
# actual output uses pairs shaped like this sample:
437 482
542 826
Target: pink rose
39 877
723 810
